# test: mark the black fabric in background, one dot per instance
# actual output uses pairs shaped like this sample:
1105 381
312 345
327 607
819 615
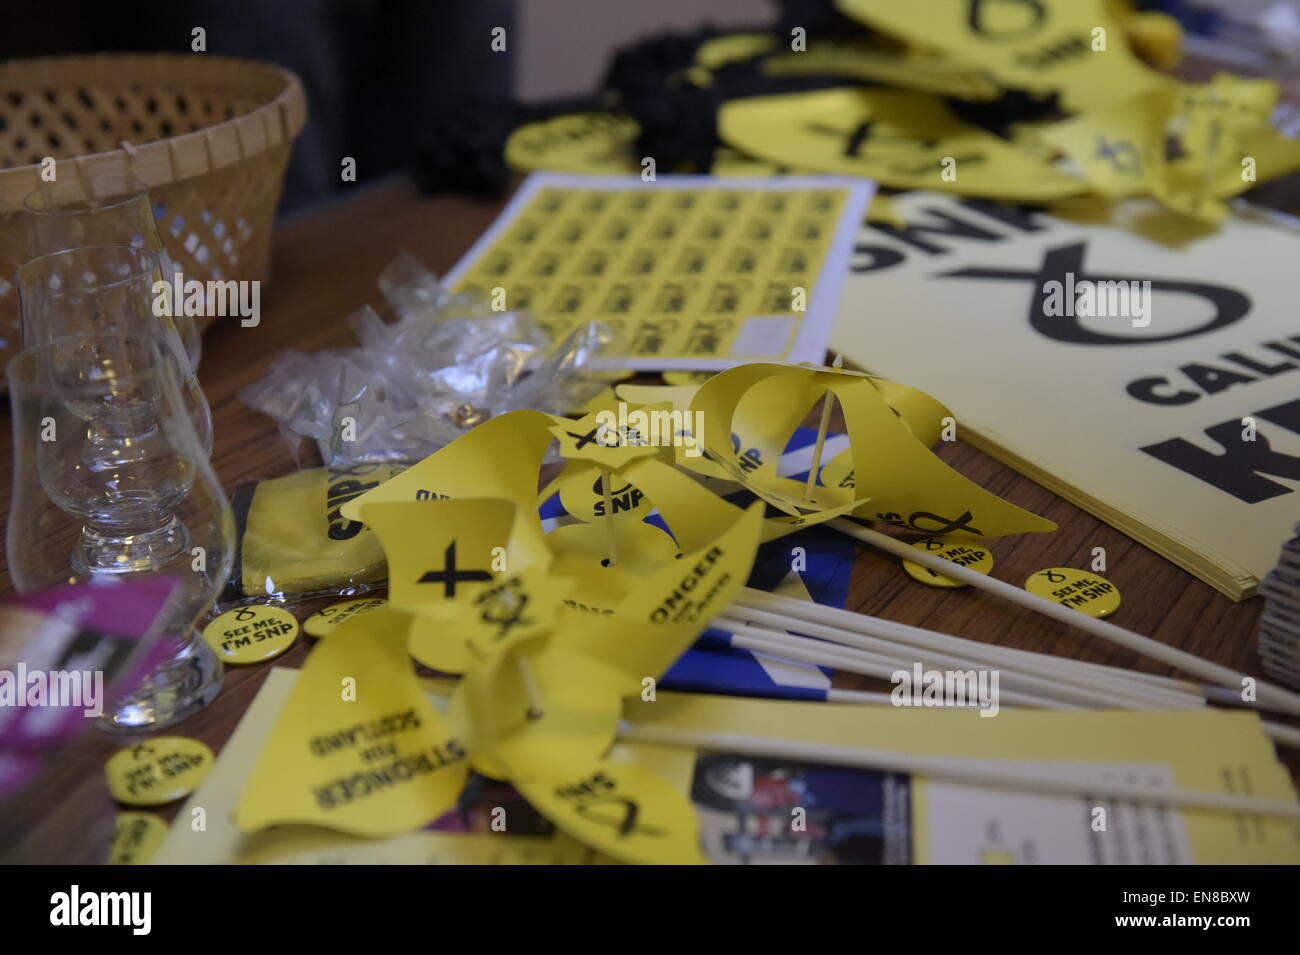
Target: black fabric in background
381 77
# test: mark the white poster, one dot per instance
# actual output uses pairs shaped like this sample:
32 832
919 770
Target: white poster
1156 385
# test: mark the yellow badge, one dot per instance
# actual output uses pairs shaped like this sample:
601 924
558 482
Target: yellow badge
966 554
157 771
136 837
594 143
251 634
325 621
1081 590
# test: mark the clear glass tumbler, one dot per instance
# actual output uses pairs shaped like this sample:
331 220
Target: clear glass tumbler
111 482
62 216
106 291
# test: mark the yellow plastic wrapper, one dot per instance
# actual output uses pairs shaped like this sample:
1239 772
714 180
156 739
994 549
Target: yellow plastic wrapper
293 538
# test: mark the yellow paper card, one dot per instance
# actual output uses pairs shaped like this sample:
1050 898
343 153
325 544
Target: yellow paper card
902 139
357 746
1070 46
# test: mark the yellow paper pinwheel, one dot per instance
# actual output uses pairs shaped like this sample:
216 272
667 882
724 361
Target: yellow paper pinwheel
887 474
359 749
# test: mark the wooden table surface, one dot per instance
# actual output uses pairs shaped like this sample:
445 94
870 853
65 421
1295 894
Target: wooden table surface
326 264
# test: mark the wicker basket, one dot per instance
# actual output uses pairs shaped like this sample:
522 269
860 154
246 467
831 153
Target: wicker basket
209 136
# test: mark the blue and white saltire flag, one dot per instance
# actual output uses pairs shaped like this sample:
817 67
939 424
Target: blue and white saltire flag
712 665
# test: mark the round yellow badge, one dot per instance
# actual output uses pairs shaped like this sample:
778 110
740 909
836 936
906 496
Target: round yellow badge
325 621
1080 589
157 771
251 634
969 554
136 837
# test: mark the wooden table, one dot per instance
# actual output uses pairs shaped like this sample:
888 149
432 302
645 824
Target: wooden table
326 265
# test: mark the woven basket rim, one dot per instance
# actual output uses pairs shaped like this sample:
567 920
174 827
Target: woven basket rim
175 159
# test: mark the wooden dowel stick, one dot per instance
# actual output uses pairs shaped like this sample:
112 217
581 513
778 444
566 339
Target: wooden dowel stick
899 658
801 611
1267 693
611 543
828 404
535 706
868 664
937 645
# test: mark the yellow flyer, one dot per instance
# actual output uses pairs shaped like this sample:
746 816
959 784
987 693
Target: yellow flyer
693 272
767 810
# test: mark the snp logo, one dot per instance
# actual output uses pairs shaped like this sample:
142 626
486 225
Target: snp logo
103 908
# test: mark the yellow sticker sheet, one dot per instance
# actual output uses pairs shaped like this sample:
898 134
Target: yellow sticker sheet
694 272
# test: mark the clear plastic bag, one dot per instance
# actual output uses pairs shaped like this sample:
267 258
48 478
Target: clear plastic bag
448 363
